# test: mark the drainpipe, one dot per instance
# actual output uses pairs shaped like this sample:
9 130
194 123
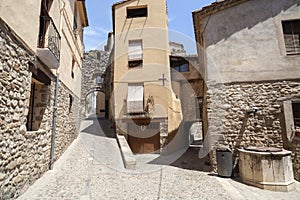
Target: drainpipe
61 6
54 123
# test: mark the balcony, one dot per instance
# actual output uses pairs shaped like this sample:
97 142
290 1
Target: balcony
48 50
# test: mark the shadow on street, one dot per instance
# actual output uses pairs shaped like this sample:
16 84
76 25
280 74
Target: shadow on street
107 127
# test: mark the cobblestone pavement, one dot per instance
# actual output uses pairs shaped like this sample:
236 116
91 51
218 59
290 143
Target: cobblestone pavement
92 168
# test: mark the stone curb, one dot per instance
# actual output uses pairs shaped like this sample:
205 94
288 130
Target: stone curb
127 155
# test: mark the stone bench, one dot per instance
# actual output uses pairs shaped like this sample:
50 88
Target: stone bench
127 155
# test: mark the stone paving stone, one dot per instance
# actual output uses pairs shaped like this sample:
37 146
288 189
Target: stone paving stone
86 171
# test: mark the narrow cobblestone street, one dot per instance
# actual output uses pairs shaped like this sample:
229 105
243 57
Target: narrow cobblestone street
92 168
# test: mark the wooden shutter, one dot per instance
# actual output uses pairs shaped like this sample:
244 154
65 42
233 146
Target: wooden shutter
135 99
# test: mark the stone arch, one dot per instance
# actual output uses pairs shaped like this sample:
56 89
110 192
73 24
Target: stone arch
97 103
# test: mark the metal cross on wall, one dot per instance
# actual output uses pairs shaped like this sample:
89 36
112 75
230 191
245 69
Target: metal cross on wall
163 79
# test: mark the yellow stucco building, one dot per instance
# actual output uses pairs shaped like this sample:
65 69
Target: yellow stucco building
144 106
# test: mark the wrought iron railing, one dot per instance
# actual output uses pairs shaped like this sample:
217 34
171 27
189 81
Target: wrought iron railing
49 36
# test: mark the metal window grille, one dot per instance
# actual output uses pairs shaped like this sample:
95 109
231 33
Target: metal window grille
291 31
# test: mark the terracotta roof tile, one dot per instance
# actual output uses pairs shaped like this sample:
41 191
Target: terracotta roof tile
217 6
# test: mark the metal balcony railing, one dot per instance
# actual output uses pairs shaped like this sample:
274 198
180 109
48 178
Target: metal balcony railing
49 36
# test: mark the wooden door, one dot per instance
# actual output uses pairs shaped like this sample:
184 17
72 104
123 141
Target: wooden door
144 141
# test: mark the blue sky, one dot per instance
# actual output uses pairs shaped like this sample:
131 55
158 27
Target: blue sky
180 22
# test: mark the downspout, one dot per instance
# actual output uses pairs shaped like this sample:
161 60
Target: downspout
54 123
61 6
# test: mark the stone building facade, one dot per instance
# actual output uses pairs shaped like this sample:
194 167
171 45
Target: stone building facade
187 84
28 89
251 72
95 64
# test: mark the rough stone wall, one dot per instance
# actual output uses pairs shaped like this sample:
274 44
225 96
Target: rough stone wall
14 86
163 131
68 119
230 124
25 155
95 63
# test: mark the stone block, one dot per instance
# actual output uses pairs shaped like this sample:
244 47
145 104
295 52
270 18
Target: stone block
12 165
2 176
127 155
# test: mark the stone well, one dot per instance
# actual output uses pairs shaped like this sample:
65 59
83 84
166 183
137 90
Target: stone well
267 168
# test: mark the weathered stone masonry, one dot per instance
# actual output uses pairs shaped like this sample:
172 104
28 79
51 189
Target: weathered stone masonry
227 113
25 155
94 63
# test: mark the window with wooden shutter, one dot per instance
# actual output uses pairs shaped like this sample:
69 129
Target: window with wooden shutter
135 53
135 99
291 31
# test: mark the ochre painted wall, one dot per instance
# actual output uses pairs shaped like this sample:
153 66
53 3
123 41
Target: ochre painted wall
153 31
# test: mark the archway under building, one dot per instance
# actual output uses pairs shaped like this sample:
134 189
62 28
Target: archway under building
96 104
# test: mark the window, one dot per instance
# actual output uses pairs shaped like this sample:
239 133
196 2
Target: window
135 53
135 99
135 63
70 103
44 21
75 26
198 106
291 110
99 80
72 69
296 113
179 64
137 12
39 94
291 31
183 68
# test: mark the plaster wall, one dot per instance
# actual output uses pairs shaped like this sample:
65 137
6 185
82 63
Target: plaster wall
71 48
250 37
17 16
153 31
26 25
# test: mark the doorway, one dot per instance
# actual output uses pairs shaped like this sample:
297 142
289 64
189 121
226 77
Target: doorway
144 139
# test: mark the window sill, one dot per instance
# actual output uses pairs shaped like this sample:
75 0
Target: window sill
292 54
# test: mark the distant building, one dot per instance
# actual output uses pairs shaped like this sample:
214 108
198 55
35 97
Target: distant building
177 49
250 55
38 41
187 83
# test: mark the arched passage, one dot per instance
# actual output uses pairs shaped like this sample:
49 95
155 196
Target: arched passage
95 103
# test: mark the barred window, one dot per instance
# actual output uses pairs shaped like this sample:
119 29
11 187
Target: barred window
291 31
296 113
291 111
